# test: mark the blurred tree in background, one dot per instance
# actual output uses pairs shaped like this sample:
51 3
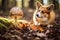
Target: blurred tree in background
6 5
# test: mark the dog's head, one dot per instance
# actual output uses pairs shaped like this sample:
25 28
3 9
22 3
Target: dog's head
43 12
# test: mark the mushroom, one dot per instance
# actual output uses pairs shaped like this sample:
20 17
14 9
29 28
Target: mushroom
16 13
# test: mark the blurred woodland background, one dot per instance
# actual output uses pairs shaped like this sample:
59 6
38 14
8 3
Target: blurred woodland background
9 31
28 6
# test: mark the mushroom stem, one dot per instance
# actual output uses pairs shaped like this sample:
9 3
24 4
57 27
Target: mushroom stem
15 19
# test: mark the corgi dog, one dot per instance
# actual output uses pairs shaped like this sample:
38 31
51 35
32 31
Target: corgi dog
44 14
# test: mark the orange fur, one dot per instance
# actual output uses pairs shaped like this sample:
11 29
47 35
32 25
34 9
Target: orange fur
44 14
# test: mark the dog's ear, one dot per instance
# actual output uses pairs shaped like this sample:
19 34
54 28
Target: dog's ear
38 4
50 7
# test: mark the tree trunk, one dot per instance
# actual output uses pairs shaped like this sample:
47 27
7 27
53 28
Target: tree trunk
4 5
31 3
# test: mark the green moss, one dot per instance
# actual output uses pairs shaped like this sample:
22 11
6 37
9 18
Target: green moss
5 24
5 21
2 25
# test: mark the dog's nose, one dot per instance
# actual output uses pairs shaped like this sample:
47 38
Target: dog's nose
38 15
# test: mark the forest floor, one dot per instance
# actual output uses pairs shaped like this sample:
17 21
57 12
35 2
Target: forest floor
9 31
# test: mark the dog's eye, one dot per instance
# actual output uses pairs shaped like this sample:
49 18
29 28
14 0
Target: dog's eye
42 12
38 14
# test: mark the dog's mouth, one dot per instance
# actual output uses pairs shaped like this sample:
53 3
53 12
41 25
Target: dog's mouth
45 19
